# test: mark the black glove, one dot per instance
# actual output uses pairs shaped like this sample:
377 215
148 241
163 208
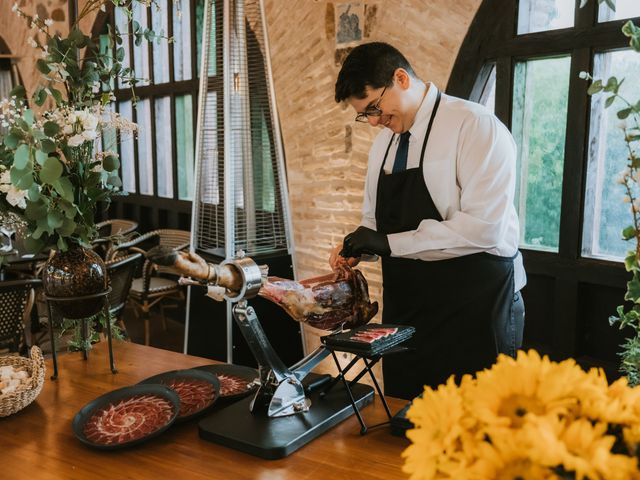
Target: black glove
365 240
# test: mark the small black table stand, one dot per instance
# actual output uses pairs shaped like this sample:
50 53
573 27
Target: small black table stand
369 361
51 304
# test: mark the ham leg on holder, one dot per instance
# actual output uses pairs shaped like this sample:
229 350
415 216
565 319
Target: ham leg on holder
334 301
339 300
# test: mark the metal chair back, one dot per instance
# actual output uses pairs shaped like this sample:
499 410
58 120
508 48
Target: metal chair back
120 273
16 300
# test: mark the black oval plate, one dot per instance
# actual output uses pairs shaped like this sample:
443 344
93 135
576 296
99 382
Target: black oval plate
162 378
245 373
86 412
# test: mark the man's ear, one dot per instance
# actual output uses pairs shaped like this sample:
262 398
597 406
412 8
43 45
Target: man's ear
402 77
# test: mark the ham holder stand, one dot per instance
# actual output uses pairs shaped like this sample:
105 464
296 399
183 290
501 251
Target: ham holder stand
292 406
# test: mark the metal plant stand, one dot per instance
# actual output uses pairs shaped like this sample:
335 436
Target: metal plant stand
54 308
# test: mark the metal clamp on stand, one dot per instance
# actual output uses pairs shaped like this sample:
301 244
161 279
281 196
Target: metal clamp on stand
281 391
51 304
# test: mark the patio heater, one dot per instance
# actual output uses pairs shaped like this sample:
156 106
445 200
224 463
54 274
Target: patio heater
241 200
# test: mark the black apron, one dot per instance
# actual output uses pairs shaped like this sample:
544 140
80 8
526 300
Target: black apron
451 303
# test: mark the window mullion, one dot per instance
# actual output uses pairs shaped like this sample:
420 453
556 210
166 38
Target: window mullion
575 156
504 89
587 15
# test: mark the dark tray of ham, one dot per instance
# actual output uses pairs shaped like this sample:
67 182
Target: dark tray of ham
198 390
371 339
236 381
126 417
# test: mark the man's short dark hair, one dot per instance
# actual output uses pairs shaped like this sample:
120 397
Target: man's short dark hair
370 64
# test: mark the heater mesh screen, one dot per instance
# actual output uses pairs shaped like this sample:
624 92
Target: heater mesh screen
250 166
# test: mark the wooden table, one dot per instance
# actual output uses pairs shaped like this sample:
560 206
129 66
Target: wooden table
38 442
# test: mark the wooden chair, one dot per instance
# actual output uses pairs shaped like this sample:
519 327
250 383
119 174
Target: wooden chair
16 301
120 273
158 285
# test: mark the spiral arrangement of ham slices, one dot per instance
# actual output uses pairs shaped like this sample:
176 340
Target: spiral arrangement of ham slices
128 420
195 395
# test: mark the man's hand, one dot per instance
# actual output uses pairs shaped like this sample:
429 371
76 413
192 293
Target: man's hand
336 261
365 240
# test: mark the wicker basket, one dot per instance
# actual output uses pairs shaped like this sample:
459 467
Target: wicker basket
28 391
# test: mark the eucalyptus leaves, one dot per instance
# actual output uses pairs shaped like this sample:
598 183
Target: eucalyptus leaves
55 177
50 172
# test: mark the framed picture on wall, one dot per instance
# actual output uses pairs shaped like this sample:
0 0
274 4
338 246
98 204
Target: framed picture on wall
349 18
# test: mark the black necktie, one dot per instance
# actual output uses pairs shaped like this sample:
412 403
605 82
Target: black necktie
400 163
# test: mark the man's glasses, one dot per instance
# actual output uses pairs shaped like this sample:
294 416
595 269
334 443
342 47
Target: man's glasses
372 111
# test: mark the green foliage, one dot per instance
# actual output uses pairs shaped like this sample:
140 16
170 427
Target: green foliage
49 172
628 315
56 178
78 341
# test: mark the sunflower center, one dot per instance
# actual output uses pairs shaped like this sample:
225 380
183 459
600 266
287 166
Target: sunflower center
516 406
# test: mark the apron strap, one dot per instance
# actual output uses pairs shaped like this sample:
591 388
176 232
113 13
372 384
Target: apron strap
426 136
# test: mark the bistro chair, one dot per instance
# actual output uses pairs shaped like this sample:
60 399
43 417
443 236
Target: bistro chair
158 285
116 226
111 232
120 273
16 301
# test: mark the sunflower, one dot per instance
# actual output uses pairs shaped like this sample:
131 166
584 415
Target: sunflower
588 453
617 403
512 389
508 458
436 440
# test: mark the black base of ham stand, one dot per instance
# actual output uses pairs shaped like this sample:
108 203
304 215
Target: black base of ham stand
272 438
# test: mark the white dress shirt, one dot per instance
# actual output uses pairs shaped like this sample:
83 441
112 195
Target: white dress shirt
470 171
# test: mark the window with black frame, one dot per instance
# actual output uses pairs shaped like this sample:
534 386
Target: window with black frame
522 59
159 162
539 106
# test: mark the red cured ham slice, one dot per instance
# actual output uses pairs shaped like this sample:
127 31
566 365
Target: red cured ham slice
373 334
195 395
129 419
232 385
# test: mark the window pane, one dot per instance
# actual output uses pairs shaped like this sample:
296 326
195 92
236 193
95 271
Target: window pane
543 15
184 144
181 41
109 136
145 152
605 213
126 154
539 119
199 26
160 20
163 147
484 89
624 9
123 28
141 52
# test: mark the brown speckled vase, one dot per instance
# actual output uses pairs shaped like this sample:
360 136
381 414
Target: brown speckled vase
74 273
